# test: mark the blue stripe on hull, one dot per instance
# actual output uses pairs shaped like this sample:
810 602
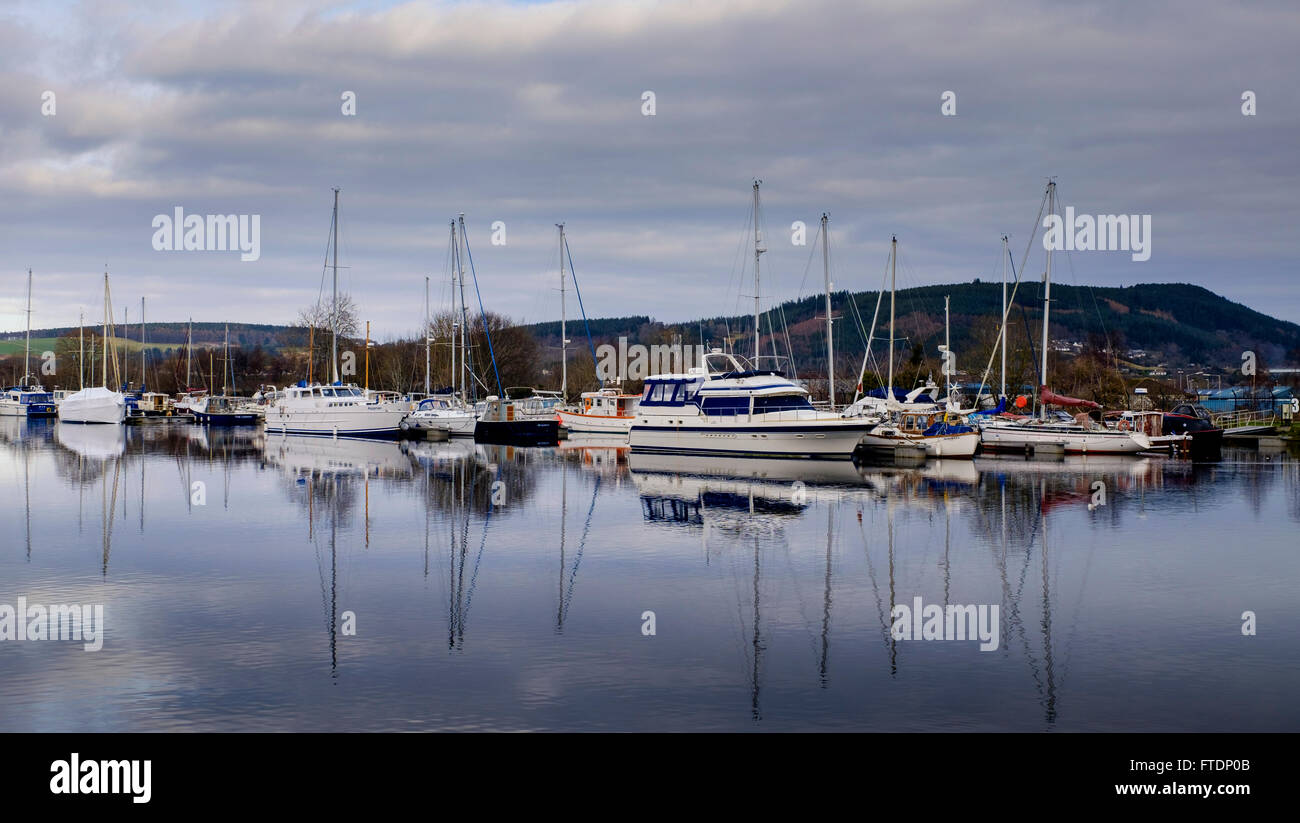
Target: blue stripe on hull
743 453
864 428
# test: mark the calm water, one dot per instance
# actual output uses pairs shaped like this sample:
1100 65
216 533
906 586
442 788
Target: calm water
498 588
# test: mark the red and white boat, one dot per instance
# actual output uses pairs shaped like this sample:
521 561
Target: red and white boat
608 411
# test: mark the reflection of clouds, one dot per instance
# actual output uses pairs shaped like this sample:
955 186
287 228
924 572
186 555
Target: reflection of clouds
215 617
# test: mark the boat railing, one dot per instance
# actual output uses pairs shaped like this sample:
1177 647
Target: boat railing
780 416
1240 419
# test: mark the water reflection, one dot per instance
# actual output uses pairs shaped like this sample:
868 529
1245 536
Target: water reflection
502 587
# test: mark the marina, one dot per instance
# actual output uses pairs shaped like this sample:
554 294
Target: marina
647 368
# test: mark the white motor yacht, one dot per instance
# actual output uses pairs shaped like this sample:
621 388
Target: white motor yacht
725 407
331 411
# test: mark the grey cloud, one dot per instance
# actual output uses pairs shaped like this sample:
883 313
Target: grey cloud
530 114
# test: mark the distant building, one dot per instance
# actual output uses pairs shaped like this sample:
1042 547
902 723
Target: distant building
1244 398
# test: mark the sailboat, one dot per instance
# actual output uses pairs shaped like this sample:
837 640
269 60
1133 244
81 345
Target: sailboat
1060 432
730 407
937 429
447 413
97 404
190 397
28 399
335 410
506 420
607 410
225 409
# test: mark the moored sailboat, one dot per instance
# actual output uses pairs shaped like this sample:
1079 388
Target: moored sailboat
335 410
940 431
1060 432
28 399
97 404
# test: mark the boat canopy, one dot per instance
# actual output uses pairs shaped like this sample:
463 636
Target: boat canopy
1052 398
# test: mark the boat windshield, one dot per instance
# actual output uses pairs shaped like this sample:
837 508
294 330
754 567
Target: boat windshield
781 403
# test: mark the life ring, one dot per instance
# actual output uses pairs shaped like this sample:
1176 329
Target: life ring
1125 424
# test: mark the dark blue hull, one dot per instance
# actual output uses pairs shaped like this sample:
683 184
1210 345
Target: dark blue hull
228 419
518 432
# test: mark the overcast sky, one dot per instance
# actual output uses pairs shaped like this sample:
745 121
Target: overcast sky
532 114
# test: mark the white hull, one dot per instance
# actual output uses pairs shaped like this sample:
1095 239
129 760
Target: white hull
596 423
457 425
339 421
939 445
1020 438
830 438
95 405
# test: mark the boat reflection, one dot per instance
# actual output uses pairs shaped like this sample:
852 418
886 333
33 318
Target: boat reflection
603 454
302 456
753 512
92 442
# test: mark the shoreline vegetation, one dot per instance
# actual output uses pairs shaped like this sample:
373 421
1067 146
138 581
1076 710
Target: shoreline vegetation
1105 343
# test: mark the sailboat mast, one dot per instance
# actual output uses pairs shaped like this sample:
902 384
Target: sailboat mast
830 338
226 365
1047 299
464 313
189 351
947 350
81 350
1004 315
564 337
426 340
143 379
758 250
456 338
334 306
893 284
455 322
104 375
27 352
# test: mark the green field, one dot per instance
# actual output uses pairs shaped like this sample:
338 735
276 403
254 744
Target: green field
40 344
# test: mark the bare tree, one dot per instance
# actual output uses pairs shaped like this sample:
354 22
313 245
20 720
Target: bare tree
342 319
